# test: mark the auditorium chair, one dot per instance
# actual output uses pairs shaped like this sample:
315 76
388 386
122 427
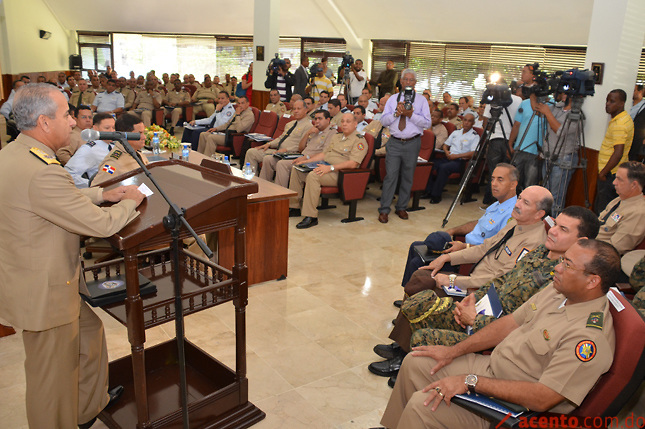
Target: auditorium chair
450 127
614 388
267 124
163 115
235 140
351 186
423 169
281 124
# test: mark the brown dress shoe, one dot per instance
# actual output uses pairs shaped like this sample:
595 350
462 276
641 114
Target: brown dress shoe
382 217
402 214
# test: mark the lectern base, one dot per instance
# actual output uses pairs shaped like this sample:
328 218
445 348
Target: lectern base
215 398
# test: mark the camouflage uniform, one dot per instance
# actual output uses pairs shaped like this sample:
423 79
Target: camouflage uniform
637 280
530 275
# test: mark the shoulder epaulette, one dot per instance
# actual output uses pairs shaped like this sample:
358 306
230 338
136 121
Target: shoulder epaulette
596 320
44 157
116 154
91 144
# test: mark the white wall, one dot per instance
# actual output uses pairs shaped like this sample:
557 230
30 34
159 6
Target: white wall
22 49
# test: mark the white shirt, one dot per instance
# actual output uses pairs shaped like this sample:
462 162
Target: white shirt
222 116
361 125
504 121
356 86
6 107
85 163
462 143
107 102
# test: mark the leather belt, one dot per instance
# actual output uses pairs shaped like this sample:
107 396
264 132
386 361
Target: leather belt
407 140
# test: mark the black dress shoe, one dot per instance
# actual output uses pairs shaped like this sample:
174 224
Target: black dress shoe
115 393
392 380
386 368
435 200
398 303
294 212
388 351
307 222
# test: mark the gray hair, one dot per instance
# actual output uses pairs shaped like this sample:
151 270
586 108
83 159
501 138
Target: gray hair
409 71
31 101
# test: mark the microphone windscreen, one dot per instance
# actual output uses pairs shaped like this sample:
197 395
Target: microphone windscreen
90 135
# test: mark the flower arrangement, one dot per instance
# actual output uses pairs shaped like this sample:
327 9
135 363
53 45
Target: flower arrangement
165 139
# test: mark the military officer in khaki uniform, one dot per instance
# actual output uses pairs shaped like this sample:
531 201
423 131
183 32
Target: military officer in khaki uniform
275 105
623 220
83 122
241 122
82 97
145 103
128 94
346 150
205 98
41 218
548 354
176 99
287 142
312 143
119 161
375 128
333 106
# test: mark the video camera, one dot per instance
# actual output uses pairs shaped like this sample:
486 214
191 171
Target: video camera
497 95
545 84
275 65
315 69
577 82
348 61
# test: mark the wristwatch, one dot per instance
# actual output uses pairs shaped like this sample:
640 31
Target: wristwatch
471 382
332 168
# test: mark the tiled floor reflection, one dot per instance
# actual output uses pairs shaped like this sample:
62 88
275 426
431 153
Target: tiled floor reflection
310 337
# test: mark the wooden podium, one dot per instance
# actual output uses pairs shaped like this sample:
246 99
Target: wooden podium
217 395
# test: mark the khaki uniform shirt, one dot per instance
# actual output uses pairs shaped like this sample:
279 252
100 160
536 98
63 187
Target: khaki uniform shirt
204 94
440 136
241 123
524 239
65 153
117 162
229 89
144 100
625 227
128 95
456 121
342 149
374 128
335 121
174 97
87 100
279 108
290 144
41 218
564 347
318 142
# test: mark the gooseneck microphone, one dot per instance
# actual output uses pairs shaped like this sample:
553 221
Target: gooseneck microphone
92 135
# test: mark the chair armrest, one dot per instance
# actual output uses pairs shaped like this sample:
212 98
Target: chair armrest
625 288
352 183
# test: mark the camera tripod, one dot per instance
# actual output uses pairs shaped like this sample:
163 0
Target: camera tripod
541 132
477 159
574 118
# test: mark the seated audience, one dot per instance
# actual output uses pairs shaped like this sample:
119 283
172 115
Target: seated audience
127 93
175 101
438 129
452 110
205 97
333 106
241 122
145 102
275 105
84 96
359 114
108 101
224 111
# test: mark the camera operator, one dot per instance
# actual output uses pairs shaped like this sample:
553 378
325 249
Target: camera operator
280 78
357 80
567 152
319 82
529 141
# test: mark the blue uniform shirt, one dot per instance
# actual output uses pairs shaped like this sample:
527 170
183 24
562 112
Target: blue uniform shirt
85 163
523 115
107 102
222 117
495 218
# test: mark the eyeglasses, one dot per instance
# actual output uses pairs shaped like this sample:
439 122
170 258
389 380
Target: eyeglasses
567 266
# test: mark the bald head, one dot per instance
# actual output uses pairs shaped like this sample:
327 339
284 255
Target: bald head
533 204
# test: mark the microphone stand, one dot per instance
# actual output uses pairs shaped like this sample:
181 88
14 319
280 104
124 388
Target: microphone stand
173 222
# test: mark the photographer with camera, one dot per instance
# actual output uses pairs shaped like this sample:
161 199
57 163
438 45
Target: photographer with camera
279 77
357 80
319 82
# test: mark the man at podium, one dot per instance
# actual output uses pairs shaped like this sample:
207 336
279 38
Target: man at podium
41 218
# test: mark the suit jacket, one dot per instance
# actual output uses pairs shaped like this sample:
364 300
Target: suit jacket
272 81
41 218
301 78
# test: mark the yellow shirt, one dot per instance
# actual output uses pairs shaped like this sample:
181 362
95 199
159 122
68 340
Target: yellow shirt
619 131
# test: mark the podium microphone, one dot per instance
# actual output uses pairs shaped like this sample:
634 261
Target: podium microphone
92 135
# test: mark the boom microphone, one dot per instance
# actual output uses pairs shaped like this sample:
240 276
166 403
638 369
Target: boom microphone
92 135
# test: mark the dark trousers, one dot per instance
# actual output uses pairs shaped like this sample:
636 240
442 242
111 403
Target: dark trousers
528 166
605 192
434 241
192 137
497 152
444 168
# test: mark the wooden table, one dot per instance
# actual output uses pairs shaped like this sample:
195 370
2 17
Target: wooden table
267 229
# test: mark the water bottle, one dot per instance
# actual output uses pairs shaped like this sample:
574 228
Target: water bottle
185 152
247 172
226 161
155 144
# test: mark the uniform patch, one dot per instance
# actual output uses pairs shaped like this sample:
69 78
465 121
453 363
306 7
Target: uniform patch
596 320
615 217
508 251
545 334
361 146
43 156
91 144
229 113
522 254
109 169
533 307
116 154
585 350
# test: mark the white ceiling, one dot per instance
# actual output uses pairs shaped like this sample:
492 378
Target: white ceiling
549 22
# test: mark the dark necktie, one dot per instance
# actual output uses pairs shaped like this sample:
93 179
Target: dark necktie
80 99
497 245
609 213
230 123
284 137
402 120
212 124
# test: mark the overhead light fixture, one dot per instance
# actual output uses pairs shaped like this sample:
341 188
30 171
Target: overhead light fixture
45 34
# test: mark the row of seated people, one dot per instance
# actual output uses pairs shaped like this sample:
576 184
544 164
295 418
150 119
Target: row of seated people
516 267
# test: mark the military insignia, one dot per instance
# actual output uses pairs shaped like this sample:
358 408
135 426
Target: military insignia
545 334
43 156
91 144
111 284
229 113
533 307
361 146
116 154
507 250
615 217
596 320
109 169
585 350
522 254
491 221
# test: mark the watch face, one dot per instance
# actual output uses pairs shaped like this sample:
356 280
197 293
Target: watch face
471 380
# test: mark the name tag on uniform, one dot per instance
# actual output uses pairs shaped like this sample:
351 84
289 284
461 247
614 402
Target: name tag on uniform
615 217
507 250
522 254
